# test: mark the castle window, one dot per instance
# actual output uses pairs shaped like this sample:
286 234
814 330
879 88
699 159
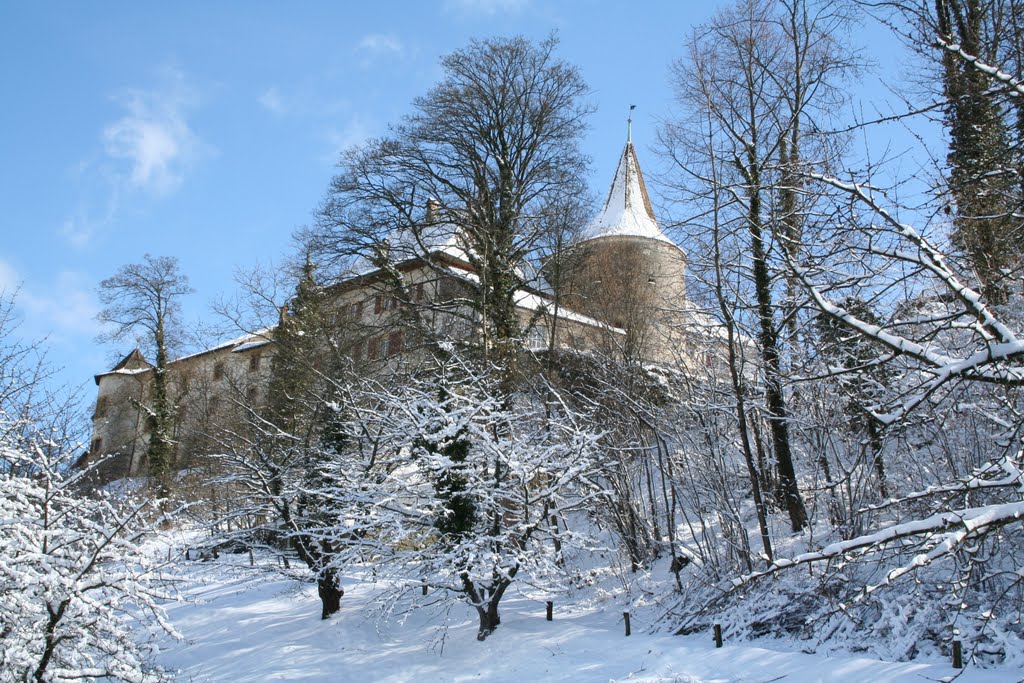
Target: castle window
394 344
251 394
357 310
378 303
650 279
419 292
97 444
218 370
537 338
372 348
101 407
254 362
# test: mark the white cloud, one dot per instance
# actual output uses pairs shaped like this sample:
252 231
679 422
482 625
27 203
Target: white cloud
71 304
9 280
354 133
78 233
65 307
154 137
150 149
272 101
304 99
488 7
376 44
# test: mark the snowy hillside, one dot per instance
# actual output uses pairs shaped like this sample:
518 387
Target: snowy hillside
243 624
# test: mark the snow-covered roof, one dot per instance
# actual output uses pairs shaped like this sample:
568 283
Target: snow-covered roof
257 338
250 345
536 301
627 210
441 237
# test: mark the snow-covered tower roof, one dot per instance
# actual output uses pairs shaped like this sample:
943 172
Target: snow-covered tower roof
627 211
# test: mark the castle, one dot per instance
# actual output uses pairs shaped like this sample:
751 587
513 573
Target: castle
620 290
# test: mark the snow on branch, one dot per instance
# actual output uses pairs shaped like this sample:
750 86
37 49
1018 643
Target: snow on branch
1006 79
938 536
995 360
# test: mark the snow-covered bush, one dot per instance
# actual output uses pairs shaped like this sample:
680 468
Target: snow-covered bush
78 591
75 582
454 482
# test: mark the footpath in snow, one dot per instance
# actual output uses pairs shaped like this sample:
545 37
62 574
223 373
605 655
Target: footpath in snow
241 625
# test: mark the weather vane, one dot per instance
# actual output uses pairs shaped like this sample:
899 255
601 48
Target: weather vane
629 124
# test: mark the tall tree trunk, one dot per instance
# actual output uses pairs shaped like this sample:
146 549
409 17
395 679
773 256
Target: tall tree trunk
768 340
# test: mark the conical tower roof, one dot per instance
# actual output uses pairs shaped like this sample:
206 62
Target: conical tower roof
627 210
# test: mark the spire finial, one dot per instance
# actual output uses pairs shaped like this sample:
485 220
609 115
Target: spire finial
629 124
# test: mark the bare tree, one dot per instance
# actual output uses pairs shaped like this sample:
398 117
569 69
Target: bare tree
759 81
143 299
494 148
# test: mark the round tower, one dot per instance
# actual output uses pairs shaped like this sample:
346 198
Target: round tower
625 270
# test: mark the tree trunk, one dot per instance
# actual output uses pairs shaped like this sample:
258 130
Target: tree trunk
328 585
768 341
489 619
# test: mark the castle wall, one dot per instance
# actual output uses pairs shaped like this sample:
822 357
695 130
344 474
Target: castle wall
376 329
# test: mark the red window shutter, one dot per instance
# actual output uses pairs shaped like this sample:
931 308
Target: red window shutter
378 303
394 343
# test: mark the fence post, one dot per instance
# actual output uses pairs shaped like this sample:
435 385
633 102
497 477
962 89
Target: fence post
252 558
718 635
551 609
958 660
424 586
625 617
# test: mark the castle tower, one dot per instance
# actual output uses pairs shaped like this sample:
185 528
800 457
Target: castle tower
625 270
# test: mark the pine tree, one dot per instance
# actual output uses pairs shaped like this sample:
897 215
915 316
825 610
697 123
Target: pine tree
297 396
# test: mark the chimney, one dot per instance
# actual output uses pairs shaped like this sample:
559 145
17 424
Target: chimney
433 208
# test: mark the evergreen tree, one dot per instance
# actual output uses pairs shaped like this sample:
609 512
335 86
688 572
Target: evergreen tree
296 405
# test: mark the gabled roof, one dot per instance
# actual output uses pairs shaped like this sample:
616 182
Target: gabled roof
133 361
627 210
132 364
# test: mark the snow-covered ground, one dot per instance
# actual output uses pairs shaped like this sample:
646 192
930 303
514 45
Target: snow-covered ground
243 625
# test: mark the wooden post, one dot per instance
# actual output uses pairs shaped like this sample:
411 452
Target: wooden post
424 586
718 635
252 558
551 610
958 659
287 565
625 617
168 553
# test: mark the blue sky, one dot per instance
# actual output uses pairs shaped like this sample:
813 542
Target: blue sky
209 130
